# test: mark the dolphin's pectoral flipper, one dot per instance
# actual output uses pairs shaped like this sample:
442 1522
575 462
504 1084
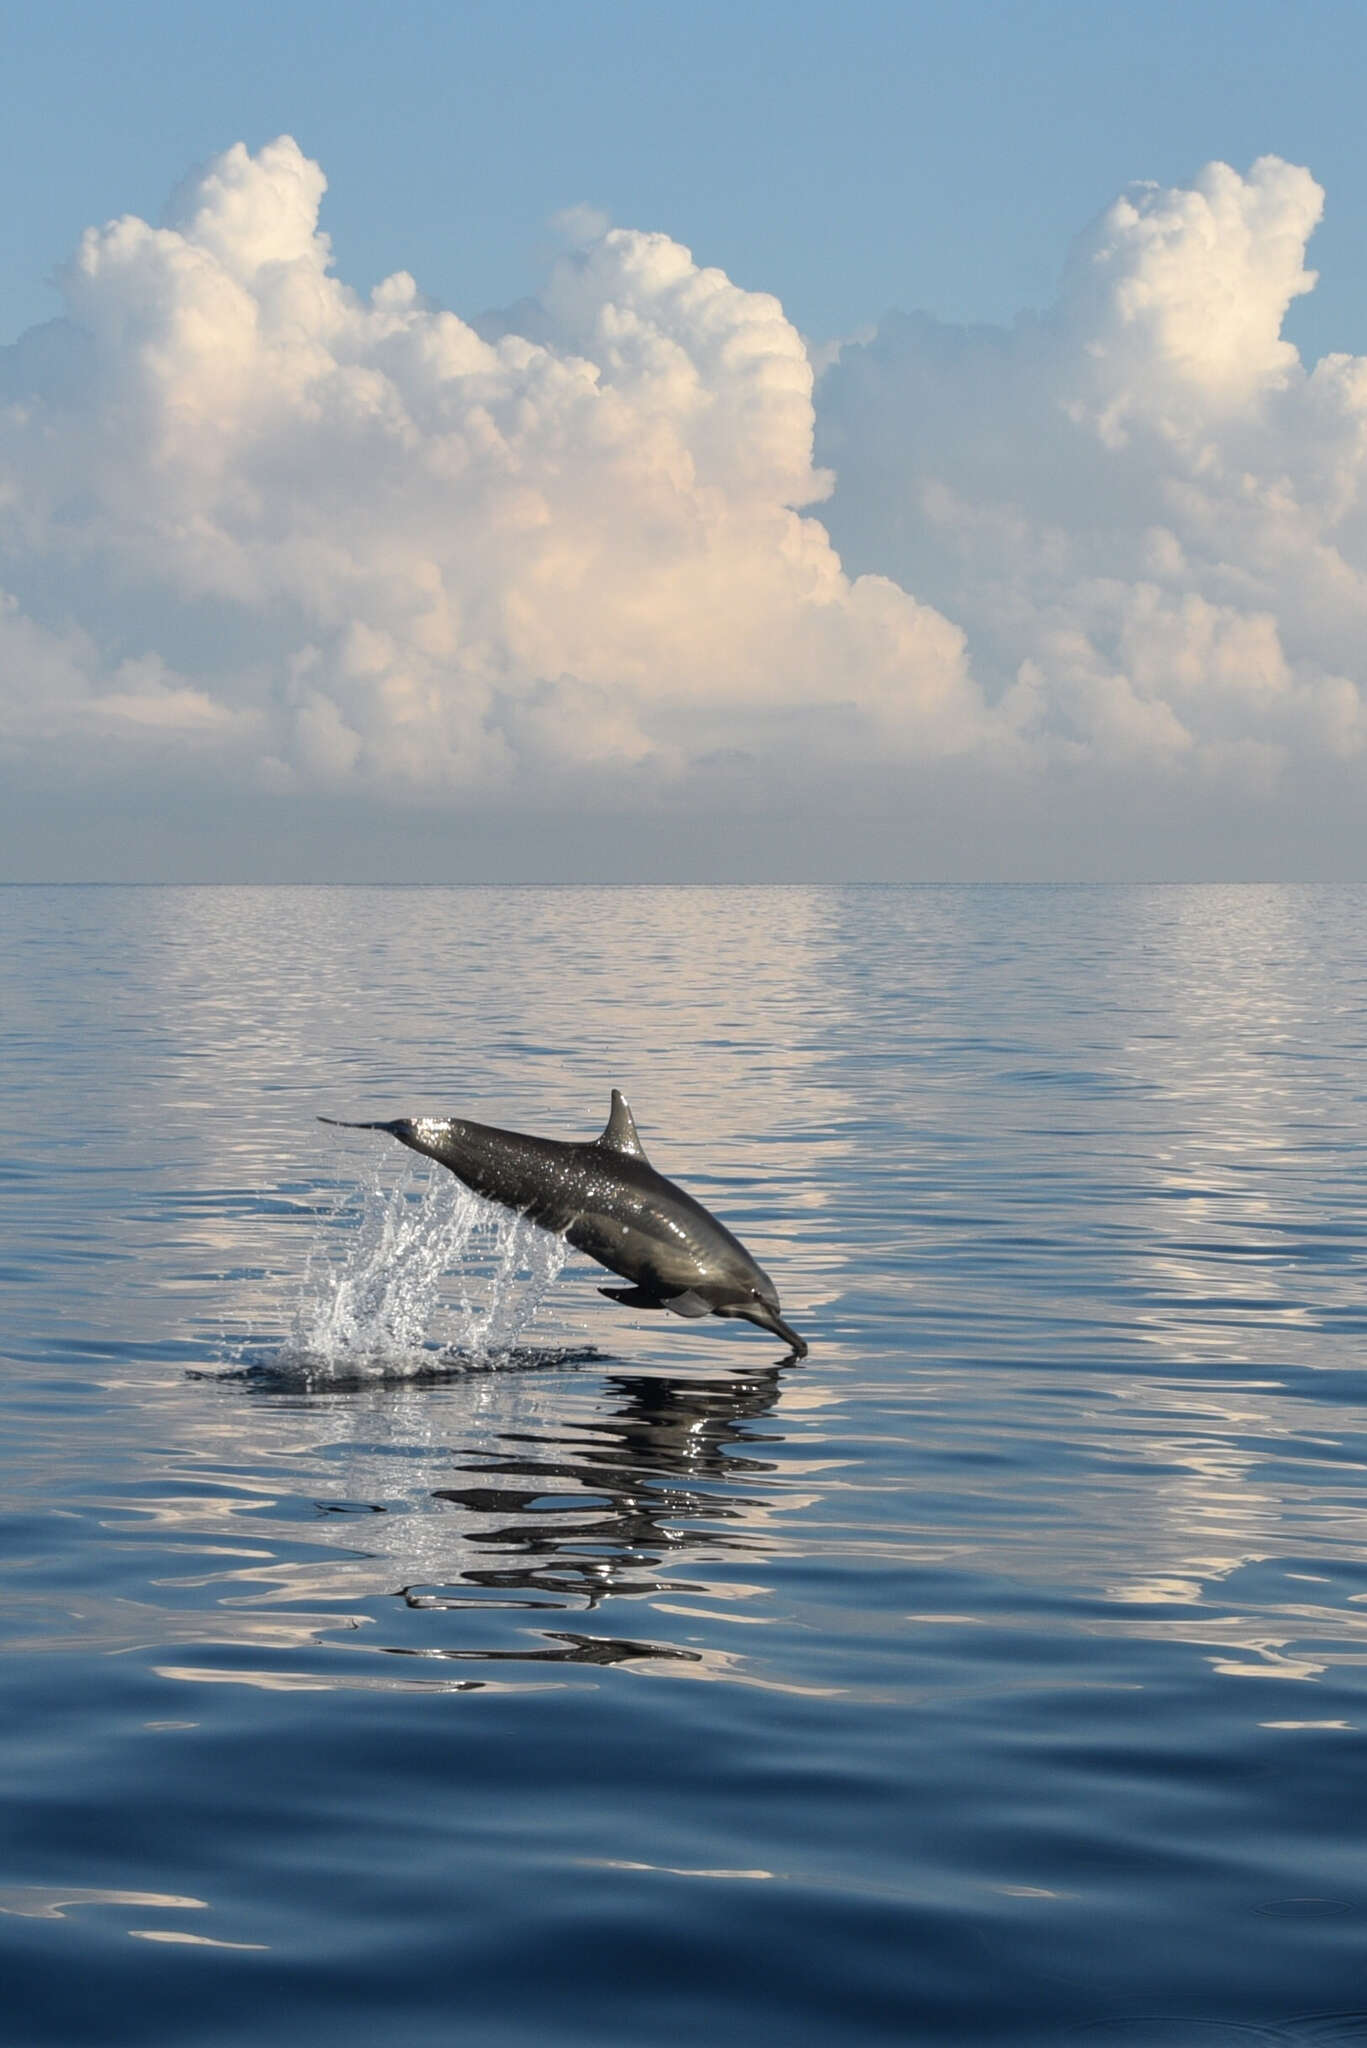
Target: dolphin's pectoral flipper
686 1304
633 1297
619 1134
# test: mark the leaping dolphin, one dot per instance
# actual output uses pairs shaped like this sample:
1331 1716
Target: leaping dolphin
606 1198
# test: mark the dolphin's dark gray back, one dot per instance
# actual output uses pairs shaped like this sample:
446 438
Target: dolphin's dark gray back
575 1189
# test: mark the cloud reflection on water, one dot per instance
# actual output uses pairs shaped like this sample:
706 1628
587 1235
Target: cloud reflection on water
462 1506
995 1609
1000 1195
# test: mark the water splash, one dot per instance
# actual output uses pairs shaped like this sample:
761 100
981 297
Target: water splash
413 1256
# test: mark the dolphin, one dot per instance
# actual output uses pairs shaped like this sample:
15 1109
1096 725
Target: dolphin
606 1199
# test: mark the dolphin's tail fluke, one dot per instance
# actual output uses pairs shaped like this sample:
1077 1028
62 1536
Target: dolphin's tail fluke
403 1128
395 1129
419 1135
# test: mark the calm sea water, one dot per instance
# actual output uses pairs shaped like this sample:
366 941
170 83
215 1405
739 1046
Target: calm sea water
511 1670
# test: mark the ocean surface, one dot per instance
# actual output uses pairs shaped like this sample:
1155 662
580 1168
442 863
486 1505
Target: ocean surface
402 1644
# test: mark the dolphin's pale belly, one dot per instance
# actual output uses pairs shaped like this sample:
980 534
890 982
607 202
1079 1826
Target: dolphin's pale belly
671 1261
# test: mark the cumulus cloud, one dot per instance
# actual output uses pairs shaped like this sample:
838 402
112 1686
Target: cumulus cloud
318 540
263 534
1144 510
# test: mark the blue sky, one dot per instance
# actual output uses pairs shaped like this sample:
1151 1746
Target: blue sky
987 489
848 157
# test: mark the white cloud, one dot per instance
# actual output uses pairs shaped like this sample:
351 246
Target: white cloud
384 550
1178 297
1145 512
259 530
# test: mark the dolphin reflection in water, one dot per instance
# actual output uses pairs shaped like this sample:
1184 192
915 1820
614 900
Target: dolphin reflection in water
617 1508
606 1199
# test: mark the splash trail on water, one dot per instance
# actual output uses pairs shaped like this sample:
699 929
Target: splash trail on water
413 1258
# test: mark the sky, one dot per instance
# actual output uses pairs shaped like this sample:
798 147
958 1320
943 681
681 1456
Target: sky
621 442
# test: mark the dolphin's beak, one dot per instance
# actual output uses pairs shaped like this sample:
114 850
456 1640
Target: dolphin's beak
770 1319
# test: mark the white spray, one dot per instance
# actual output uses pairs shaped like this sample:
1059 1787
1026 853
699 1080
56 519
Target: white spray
406 1253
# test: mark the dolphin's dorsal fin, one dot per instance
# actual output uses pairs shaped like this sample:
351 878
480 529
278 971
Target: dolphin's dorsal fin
620 1132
